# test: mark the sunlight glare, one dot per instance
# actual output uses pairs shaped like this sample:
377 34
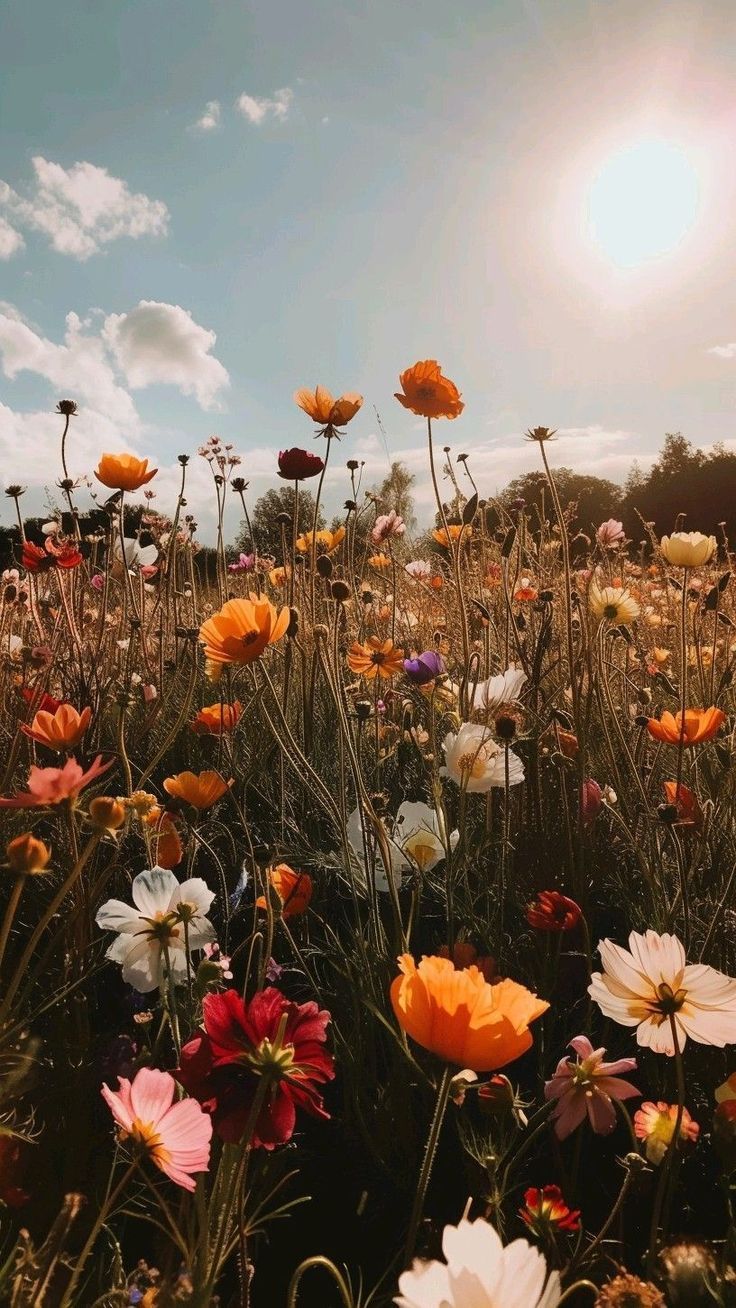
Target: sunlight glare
642 202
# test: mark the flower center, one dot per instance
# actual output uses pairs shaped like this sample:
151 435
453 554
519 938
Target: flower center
163 927
669 1001
610 612
272 1058
249 637
147 1137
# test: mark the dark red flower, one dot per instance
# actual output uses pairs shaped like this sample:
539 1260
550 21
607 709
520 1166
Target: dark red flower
12 1166
591 801
242 1044
552 911
46 704
297 465
685 802
466 955
64 553
35 559
545 1212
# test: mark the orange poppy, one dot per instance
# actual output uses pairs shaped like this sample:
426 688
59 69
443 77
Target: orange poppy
448 538
375 658
525 593
325 410
169 851
427 393
457 1015
327 541
242 629
201 790
279 576
689 812
217 719
60 730
124 472
294 889
700 725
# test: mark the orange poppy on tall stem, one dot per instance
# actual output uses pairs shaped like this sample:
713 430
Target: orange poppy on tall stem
458 1016
375 658
325 410
428 393
60 730
294 889
241 630
200 790
216 719
700 725
124 472
326 541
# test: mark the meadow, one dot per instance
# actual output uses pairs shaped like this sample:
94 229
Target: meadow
368 914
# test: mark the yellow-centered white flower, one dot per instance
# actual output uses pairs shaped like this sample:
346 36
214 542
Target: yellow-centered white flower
475 762
613 604
480 1272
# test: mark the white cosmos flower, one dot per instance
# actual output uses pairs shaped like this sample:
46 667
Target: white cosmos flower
474 760
480 1273
166 916
419 569
644 985
418 832
503 689
361 837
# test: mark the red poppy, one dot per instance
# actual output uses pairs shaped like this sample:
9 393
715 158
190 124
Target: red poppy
297 465
64 553
689 812
35 559
545 1212
46 704
465 955
241 1043
552 911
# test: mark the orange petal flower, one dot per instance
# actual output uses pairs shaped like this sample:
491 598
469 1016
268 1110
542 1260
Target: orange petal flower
700 725
327 541
217 719
60 730
200 790
242 629
294 889
689 812
168 849
447 538
325 410
459 1017
375 658
427 393
124 472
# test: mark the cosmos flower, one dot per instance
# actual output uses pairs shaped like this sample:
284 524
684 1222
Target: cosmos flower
174 1136
47 786
427 393
545 1212
418 834
166 920
458 1016
424 668
688 549
447 537
294 890
298 465
326 541
655 1125
201 790
386 526
243 563
611 534
474 761
505 688
700 725
242 630
587 1087
650 984
478 1270
124 472
326 411
240 1044
61 730
375 658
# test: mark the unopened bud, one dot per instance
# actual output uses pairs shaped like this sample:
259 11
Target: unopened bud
106 813
27 856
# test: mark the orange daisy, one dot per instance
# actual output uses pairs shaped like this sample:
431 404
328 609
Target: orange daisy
375 658
241 630
325 410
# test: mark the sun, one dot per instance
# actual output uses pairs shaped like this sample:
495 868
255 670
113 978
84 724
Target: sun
642 202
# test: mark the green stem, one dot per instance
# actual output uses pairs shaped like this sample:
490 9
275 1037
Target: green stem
443 1096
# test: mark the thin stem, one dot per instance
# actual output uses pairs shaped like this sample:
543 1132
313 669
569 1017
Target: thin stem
443 1096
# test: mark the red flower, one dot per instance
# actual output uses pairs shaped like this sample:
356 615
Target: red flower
46 704
545 1212
689 812
62 555
297 465
552 911
465 955
35 559
270 1037
591 801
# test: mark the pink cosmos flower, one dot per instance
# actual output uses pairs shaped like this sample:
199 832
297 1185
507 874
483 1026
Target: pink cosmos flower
54 785
655 1125
387 525
588 1087
611 534
176 1136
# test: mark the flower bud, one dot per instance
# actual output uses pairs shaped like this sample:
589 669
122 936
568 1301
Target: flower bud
324 566
340 591
26 855
106 813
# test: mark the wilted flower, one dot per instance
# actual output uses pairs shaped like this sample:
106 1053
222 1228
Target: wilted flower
650 986
688 549
175 1136
429 394
478 1270
655 1125
155 936
587 1088
628 1291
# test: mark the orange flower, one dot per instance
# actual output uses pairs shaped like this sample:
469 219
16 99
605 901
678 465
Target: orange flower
380 561
375 658
458 1016
448 538
200 790
427 393
327 541
326 411
124 472
700 725
242 629
27 856
217 719
525 593
685 801
60 730
169 850
294 889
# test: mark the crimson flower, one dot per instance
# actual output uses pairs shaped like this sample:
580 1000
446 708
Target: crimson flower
552 911
48 786
46 704
241 1044
64 555
297 465
545 1212
35 559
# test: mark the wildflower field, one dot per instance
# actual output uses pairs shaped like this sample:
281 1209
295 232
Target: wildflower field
368 914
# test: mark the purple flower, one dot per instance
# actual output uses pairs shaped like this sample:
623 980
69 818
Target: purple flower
245 563
424 668
588 1087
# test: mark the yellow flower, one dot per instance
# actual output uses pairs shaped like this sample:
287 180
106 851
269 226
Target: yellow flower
327 541
613 604
688 549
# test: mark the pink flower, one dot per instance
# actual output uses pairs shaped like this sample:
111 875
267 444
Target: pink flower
98 581
176 1136
655 1125
588 1086
591 800
54 785
611 534
386 525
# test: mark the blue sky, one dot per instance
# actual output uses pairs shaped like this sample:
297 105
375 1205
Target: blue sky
377 182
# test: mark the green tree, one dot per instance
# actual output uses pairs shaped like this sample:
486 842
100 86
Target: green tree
395 492
266 525
587 500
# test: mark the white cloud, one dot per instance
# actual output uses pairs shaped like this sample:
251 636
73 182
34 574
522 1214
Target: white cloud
210 119
10 240
162 343
256 109
83 208
723 351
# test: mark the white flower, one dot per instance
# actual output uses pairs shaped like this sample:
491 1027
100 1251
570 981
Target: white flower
362 837
166 918
418 832
480 1273
503 689
646 984
51 528
475 761
419 569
